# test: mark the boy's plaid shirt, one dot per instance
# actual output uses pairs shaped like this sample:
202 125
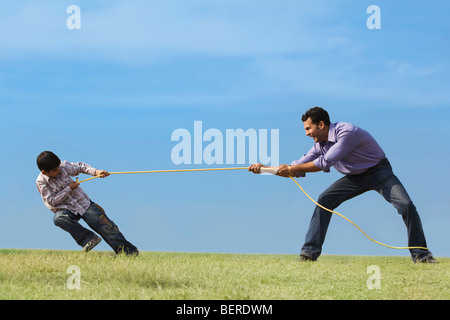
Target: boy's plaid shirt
57 194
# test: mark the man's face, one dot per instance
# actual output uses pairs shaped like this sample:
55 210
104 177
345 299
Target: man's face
319 132
52 173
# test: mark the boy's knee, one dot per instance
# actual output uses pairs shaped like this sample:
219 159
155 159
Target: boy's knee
60 218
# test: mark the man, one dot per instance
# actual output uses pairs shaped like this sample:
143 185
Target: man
353 152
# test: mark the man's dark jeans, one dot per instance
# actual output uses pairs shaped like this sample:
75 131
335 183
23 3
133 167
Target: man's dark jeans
96 218
379 178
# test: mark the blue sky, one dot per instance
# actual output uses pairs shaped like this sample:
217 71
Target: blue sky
112 93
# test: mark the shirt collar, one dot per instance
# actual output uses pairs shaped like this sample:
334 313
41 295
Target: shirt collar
43 177
332 133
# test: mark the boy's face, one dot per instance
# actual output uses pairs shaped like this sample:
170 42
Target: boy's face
52 173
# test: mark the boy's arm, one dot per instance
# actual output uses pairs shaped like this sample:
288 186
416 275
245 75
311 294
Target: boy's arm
54 198
101 173
74 169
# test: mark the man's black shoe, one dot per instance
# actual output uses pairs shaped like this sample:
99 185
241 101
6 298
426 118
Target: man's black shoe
305 258
427 259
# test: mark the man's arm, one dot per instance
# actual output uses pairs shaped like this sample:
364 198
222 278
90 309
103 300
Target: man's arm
285 170
347 142
304 164
310 156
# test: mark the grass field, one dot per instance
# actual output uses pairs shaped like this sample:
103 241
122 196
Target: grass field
49 274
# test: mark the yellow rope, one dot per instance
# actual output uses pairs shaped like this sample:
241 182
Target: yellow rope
341 215
242 168
163 171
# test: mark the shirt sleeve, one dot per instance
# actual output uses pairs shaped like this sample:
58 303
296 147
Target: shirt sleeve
346 142
74 169
50 197
308 157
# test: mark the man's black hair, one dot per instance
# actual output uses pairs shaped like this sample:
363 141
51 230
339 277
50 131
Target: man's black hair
317 114
47 161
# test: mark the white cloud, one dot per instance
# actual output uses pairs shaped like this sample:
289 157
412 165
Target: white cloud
149 30
292 47
406 68
397 84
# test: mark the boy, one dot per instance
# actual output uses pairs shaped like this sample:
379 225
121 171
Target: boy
70 203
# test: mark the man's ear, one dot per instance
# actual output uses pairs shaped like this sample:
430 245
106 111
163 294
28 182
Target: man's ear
44 172
321 125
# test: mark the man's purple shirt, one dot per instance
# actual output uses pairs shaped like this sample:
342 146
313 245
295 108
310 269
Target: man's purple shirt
349 149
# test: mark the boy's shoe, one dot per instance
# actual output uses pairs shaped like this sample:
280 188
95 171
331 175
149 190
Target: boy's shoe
91 244
129 251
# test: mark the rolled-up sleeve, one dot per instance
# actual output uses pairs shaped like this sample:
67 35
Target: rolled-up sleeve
52 198
346 142
311 155
74 169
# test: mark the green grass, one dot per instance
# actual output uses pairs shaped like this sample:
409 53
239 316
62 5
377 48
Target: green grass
42 274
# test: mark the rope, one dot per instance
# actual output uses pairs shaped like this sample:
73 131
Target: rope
164 171
242 168
341 215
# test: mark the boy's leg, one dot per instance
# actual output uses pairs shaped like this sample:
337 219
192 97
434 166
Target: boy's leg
67 221
97 219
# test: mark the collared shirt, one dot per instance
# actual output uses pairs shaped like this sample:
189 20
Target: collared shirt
56 192
349 149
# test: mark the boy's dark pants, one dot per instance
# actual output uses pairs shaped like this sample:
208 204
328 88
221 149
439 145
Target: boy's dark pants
96 218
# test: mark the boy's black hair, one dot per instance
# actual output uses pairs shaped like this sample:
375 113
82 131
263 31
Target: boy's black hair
317 114
47 161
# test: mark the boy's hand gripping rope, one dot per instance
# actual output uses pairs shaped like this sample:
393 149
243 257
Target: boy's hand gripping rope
266 170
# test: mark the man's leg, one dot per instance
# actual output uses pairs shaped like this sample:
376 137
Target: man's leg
395 193
97 219
67 221
343 189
